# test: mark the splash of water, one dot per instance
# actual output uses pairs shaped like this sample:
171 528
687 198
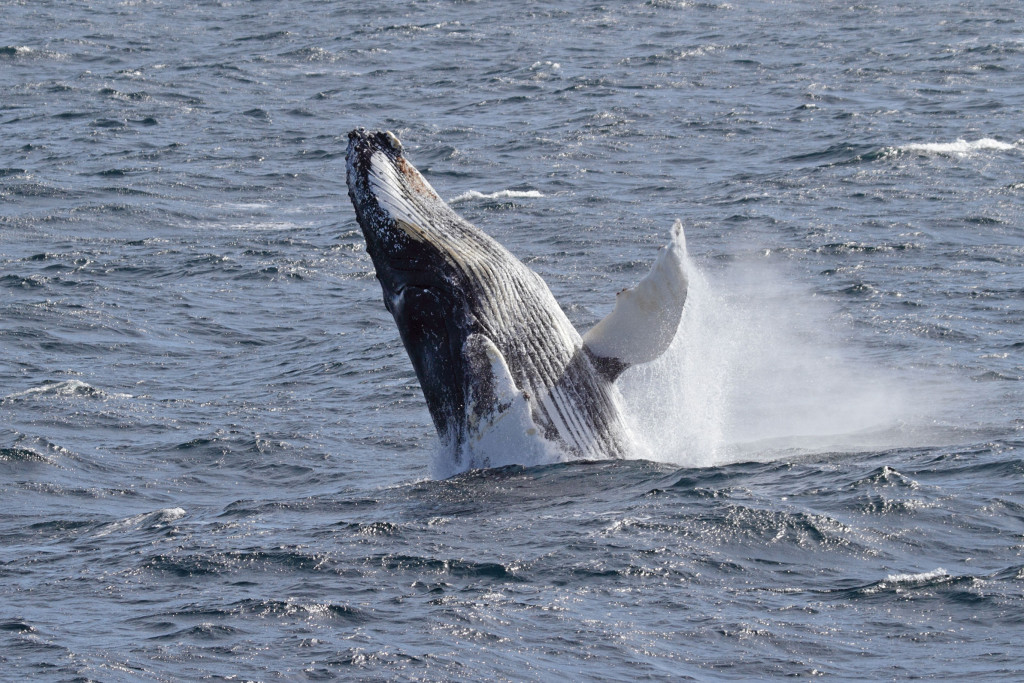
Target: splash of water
758 370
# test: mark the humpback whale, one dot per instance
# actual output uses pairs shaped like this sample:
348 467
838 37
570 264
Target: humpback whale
506 376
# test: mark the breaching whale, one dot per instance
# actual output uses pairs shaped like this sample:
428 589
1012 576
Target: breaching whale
506 377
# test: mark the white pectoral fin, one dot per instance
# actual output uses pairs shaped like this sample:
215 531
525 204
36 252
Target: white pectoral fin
493 388
646 317
499 423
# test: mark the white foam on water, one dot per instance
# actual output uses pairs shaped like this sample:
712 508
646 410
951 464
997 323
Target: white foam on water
67 388
501 194
923 577
960 146
71 387
156 519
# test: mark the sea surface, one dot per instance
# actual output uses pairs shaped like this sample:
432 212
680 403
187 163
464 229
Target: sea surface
215 459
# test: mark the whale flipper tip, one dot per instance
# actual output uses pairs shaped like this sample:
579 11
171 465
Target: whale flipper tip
646 317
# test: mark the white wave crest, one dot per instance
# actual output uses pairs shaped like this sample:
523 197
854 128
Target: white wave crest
923 577
501 194
71 387
157 519
960 146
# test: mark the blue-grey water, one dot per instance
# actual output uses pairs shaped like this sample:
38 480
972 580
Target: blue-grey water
215 459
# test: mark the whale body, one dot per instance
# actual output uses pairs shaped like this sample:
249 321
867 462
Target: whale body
506 376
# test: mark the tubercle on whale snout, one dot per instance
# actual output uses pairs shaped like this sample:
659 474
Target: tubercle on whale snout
384 141
396 144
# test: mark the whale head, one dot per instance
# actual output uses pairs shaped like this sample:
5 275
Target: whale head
420 250
384 189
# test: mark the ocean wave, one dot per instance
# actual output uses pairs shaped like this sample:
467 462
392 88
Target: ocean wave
938 574
205 631
959 147
157 519
900 583
15 455
294 607
26 52
464 568
313 54
290 608
17 626
71 387
847 153
905 584
16 448
501 194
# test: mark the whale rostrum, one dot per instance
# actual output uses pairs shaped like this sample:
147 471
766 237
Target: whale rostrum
500 365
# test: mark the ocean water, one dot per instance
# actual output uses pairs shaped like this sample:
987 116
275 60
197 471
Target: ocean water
215 459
